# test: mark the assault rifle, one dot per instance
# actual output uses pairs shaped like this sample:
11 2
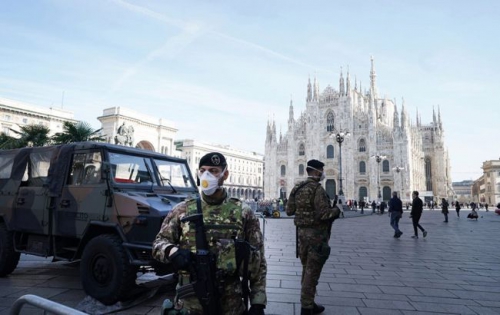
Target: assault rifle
205 285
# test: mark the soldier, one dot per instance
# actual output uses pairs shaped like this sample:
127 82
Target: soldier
226 220
313 219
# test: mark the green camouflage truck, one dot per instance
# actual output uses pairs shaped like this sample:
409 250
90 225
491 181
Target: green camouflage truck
97 203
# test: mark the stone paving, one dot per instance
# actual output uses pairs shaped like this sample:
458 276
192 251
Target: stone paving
455 270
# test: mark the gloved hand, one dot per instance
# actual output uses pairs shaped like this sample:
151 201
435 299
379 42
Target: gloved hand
257 309
181 259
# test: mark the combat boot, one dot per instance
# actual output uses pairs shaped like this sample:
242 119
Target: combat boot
306 311
317 309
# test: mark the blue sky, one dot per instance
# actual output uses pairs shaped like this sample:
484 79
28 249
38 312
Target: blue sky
220 69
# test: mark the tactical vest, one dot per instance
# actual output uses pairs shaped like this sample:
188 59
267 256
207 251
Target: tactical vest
304 203
223 225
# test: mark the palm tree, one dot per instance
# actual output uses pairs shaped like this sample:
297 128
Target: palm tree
30 135
77 132
7 142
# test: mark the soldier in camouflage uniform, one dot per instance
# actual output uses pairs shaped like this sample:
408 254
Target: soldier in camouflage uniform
225 219
313 218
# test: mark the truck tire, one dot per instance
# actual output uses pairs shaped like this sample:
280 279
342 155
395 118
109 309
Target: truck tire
105 271
9 258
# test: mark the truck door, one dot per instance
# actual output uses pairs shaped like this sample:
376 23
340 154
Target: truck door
31 207
83 197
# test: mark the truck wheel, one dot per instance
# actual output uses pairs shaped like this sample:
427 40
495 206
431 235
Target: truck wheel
9 258
105 271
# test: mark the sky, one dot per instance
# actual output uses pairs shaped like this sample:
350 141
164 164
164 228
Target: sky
220 70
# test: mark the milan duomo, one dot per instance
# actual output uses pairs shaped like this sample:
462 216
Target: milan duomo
413 155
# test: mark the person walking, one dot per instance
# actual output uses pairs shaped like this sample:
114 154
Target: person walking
396 213
374 206
228 225
383 205
457 208
417 207
362 206
444 209
314 216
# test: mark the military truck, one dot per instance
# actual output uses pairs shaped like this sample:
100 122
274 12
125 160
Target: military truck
96 203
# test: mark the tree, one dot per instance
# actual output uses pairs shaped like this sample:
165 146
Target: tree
77 132
30 135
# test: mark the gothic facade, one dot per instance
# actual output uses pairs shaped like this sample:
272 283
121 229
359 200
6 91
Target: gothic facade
414 154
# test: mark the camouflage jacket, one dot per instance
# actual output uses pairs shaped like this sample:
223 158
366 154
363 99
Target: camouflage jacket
227 211
310 204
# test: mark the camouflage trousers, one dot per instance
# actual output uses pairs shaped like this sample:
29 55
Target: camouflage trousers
313 253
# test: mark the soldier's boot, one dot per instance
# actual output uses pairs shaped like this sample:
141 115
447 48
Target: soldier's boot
306 311
318 309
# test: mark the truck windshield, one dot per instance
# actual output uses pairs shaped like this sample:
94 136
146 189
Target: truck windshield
130 169
173 173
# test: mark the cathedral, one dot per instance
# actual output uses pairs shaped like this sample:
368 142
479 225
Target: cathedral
383 149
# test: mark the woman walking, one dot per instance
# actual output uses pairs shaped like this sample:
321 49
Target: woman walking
457 208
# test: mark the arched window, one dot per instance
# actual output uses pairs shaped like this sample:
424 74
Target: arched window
329 122
385 166
428 174
362 145
329 152
363 193
283 170
302 149
301 169
362 167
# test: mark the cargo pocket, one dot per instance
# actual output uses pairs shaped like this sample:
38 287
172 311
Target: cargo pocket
324 252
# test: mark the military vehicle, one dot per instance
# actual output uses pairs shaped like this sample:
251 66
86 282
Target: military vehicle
97 203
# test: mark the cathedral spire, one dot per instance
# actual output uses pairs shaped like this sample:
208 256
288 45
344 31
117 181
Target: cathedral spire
403 115
373 77
309 90
439 119
418 119
348 83
434 116
341 84
315 90
396 116
355 83
290 112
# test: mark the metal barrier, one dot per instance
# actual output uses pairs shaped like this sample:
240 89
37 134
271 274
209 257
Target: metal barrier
46 305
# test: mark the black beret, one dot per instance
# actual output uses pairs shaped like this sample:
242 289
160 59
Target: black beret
315 164
213 159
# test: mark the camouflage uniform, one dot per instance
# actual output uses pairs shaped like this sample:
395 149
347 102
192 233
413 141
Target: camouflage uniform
313 218
224 220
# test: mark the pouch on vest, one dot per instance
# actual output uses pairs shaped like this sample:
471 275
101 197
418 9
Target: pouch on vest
226 256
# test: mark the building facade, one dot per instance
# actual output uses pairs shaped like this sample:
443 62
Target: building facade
245 168
127 127
486 189
377 127
14 114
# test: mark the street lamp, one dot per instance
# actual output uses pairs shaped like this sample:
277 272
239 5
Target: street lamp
378 158
398 170
340 137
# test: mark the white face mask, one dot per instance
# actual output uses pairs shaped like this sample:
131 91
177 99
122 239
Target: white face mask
209 183
322 177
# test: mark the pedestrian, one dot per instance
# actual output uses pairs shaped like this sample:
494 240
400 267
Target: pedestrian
457 208
374 206
473 214
486 207
444 209
355 205
383 205
314 216
362 206
417 207
396 213
231 229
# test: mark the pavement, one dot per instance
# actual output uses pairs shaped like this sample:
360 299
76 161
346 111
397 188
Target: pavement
454 270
